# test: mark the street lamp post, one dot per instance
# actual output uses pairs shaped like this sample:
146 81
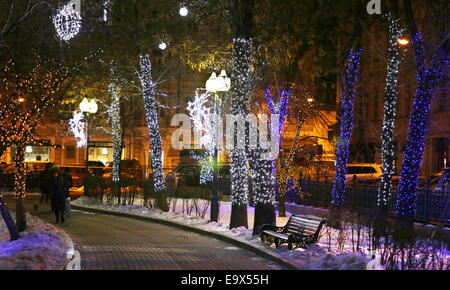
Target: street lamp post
91 108
216 85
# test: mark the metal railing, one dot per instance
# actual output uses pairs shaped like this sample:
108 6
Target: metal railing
431 205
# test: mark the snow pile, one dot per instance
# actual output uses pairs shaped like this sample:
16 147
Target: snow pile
346 261
40 247
315 257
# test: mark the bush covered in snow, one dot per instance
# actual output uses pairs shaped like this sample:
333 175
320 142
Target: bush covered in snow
40 247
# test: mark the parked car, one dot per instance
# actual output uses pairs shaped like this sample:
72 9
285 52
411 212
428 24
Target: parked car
7 168
189 175
129 169
96 164
78 172
364 172
437 182
444 181
185 174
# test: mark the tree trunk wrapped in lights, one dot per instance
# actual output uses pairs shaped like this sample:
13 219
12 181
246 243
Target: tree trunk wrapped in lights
151 113
241 86
428 78
278 110
345 131
263 185
390 103
427 82
19 185
13 232
25 100
116 131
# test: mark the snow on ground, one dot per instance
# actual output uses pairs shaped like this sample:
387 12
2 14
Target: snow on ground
323 255
12 193
40 247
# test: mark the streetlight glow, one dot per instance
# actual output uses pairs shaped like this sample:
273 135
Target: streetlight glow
88 107
211 83
162 45
403 41
183 11
221 83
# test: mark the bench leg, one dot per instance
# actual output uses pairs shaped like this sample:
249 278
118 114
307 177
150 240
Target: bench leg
263 238
277 242
290 246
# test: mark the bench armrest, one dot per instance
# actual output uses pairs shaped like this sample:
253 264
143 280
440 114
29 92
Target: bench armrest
271 228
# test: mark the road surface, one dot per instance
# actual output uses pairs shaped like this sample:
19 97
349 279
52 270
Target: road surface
112 243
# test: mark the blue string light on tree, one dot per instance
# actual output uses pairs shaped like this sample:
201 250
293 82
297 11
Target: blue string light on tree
427 82
343 142
280 108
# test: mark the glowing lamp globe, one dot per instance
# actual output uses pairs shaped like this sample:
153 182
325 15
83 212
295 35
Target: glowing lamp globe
84 105
211 85
93 106
183 11
88 107
220 83
162 45
224 82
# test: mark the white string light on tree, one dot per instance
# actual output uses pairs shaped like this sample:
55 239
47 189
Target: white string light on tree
114 118
390 103
241 85
151 114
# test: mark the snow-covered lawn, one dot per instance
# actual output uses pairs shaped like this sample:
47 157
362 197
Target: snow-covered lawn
324 255
41 247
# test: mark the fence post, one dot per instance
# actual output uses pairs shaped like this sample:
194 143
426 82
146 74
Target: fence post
426 202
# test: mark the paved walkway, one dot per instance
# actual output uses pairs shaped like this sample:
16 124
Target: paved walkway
111 243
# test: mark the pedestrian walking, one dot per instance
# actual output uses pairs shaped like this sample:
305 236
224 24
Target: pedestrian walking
67 177
44 179
58 191
69 183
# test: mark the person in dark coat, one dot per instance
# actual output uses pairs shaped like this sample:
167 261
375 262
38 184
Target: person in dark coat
58 191
44 178
68 178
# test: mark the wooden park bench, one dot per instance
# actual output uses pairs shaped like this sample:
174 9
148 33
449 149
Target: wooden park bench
299 231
